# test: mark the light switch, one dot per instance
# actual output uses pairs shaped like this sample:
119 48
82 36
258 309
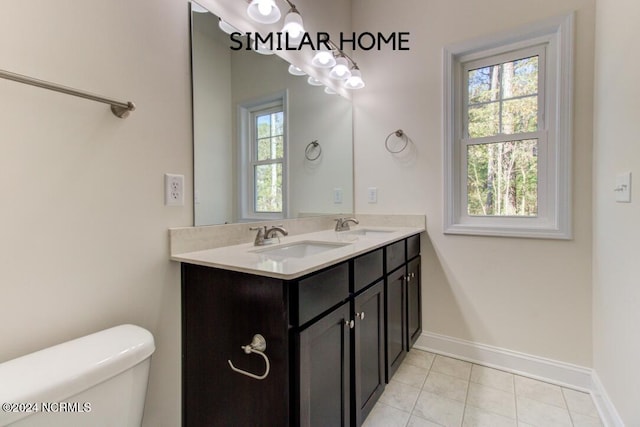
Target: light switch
372 195
623 187
337 195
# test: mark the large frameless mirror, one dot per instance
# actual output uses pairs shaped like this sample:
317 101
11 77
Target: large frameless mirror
267 144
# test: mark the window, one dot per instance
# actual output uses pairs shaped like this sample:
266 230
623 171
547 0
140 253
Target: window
508 134
263 157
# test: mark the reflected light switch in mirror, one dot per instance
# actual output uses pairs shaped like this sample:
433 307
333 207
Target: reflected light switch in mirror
623 188
337 195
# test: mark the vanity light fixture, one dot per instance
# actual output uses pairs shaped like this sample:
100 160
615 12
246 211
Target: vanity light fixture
355 81
324 58
341 70
296 71
293 26
342 66
264 11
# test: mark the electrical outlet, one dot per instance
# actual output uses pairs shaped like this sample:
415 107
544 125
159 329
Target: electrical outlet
173 189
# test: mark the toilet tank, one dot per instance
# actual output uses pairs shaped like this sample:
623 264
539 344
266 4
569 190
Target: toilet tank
96 380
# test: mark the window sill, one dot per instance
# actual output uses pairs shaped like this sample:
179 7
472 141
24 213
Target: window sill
501 231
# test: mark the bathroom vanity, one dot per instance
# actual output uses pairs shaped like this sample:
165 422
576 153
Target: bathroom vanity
337 311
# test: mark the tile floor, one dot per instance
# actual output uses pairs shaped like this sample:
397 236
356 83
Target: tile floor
430 390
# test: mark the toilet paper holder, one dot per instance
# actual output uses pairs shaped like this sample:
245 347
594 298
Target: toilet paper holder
258 345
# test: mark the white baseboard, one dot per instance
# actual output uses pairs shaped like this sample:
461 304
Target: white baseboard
548 370
608 412
540 368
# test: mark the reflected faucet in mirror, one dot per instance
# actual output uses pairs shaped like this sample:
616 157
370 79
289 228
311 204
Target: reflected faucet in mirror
342 224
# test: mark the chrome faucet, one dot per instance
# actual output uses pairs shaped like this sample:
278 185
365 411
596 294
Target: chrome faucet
270 233
265 234
342 224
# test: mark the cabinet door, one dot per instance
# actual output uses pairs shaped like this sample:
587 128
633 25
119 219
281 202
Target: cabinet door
414 302
222 310
324 371
395 311
368 349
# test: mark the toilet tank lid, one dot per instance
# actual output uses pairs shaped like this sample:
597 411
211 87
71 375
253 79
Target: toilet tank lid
64 370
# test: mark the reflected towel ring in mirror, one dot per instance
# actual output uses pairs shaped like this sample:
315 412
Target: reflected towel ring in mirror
313 151
400 134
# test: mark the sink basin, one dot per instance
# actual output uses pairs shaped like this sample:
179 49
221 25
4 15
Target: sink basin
369 233
301 249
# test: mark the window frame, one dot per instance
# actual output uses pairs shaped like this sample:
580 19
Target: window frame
555 122
248 156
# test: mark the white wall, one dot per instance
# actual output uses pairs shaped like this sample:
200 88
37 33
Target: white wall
531 296
84 241
616 293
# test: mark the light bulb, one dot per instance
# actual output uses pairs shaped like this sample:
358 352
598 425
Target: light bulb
264 7
293 24
341 70
313 81
324 59
264 11
355 81
296 71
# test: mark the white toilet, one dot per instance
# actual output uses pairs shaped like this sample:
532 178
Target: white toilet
97 380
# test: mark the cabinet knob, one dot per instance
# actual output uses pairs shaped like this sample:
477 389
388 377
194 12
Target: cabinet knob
407 278
360 315
349 323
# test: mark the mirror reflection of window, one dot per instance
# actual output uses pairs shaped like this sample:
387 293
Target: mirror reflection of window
267 163
263 173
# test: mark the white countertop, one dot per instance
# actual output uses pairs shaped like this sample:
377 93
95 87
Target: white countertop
244 258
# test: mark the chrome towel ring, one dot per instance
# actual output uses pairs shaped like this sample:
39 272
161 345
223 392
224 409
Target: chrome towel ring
258 345
399 134
313 151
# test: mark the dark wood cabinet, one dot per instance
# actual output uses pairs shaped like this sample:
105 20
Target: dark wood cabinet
396 314
221 311
369 355
333 339
414 301
324 371
403 304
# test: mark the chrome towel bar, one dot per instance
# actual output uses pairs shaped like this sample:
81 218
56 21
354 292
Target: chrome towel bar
118 108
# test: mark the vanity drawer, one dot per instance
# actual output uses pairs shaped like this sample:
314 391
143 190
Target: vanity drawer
413 246
316 294
396 255
367 269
